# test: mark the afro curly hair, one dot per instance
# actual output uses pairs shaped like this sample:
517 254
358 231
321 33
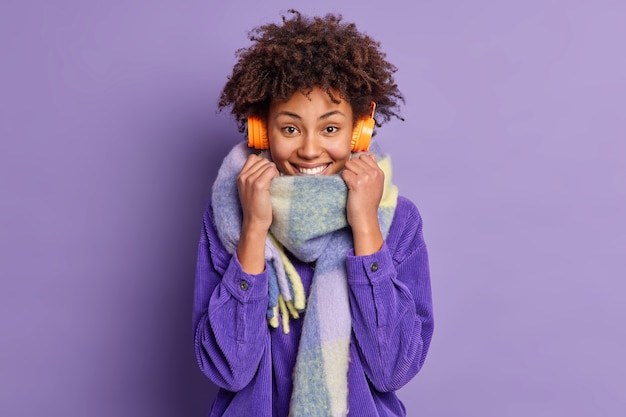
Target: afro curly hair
303 53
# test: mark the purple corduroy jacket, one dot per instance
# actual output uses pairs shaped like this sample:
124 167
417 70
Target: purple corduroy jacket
252 363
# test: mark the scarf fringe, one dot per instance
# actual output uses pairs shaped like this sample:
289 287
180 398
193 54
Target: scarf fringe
286 290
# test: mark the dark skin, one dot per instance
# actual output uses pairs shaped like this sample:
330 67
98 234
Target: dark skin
309 135
318 65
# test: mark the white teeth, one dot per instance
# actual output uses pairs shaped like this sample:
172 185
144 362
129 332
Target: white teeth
312 171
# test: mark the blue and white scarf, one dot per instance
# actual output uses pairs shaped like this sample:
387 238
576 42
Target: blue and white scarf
309 220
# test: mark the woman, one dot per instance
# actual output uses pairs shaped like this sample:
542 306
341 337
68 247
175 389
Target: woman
312 293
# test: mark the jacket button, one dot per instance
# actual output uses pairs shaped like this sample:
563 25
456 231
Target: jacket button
243 285
374 267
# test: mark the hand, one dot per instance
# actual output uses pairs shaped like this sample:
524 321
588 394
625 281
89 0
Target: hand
365 181
253 183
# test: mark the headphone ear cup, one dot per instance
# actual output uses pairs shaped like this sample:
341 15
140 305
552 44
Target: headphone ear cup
257 133
363 131
360 137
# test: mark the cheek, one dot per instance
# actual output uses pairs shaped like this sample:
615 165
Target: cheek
342 151
275 151
341 157
279 157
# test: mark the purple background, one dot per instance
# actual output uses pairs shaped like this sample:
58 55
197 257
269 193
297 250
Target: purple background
513 148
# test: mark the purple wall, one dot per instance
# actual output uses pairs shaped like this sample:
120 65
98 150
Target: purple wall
513 148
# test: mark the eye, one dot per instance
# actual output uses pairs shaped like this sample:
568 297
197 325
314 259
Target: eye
290 130
331 130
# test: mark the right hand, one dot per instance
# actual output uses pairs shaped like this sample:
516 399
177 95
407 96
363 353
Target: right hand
253 183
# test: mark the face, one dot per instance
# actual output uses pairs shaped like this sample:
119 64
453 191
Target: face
310 135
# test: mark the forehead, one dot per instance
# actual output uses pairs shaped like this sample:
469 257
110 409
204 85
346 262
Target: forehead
315 100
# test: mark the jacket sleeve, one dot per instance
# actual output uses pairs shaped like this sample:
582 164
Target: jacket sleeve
391 303
230 329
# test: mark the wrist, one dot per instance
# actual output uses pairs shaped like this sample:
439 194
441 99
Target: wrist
367 238
365 221
254 229
251 248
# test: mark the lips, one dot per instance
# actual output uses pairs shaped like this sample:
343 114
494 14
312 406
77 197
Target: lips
312 170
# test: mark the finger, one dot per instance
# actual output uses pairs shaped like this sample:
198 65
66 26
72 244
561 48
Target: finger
368 159
260 175
352 178
354 166
364 163
267 172
253 163
255 167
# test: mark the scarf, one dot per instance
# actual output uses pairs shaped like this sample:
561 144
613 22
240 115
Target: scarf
309 221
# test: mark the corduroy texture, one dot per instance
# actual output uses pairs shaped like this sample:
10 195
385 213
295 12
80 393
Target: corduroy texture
253 364
309 221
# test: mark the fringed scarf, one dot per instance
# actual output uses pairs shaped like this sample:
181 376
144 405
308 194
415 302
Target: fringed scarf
309 220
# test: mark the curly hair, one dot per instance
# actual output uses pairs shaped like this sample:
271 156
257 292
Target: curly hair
307 52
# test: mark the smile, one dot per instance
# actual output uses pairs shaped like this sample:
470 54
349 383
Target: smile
311 171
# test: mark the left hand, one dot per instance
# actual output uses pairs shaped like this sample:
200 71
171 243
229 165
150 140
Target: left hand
365 181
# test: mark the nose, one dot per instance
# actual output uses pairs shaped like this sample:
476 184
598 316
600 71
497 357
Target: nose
310 147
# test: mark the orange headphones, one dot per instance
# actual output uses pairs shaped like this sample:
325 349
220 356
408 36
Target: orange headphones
361 135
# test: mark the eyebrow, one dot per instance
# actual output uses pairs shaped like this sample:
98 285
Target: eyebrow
297 116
